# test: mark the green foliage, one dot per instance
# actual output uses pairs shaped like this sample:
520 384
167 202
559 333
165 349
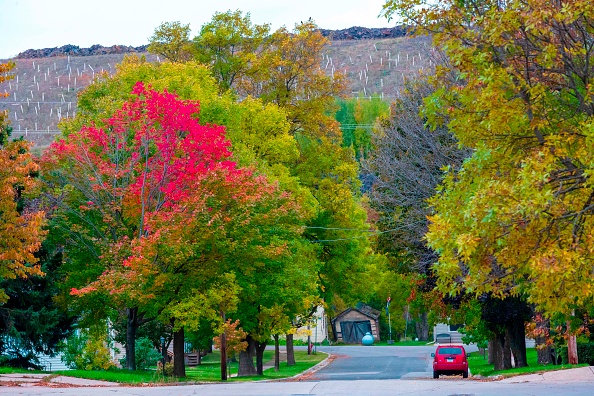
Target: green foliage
585 353
228 43
201 339
358 117
475 330
31 322
172 41
146 354
306 157
89 350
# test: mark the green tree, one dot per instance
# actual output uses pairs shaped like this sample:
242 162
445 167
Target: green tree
358 117
229 43
31 321
288 75
172 41
284 71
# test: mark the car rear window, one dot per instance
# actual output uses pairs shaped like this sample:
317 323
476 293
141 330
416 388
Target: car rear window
449 351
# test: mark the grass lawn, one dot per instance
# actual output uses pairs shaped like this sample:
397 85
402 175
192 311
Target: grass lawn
407 343
478 365
208 371
118 375
395 343
10 370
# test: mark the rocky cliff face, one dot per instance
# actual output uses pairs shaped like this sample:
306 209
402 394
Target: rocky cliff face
353 33
361 33
74 50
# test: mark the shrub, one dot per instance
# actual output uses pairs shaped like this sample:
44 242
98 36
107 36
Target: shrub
88 350
146 354
585 353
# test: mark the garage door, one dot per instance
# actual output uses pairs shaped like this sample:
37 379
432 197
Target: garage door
353 332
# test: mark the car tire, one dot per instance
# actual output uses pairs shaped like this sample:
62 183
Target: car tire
465 374
435 374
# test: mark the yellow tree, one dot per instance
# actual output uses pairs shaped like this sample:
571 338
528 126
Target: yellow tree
20 227
517 220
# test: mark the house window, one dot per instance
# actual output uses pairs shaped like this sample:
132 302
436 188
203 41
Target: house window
455 327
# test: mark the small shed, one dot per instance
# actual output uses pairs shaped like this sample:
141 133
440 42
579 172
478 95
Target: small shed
350 325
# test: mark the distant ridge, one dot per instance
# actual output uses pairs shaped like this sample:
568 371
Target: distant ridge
353 33
361 33
75 50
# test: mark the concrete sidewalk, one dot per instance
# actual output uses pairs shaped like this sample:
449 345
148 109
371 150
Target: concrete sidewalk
26 379
580 374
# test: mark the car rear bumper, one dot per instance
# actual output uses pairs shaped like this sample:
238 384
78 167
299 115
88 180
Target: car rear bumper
443 368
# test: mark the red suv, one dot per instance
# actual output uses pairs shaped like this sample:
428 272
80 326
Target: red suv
450 359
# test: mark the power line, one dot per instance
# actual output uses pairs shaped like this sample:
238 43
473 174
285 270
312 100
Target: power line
341 229
373 233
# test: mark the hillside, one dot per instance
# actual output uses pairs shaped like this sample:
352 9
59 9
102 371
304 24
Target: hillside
44 89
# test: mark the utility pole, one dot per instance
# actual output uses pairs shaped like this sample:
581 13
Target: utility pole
406 326
223 351
390 341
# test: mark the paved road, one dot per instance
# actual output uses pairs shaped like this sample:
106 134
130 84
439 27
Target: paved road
378 363
334 388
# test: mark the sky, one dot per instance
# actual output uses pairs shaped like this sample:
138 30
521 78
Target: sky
36 24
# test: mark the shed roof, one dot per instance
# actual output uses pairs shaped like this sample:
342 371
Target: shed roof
362 309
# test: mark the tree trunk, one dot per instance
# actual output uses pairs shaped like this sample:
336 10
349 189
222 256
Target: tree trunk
290 351
543 350
516 332
491 352
572 355
330 329
422 326
276 354
501 352
179 364
260 348
223 356
246 359
223 349
131 329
